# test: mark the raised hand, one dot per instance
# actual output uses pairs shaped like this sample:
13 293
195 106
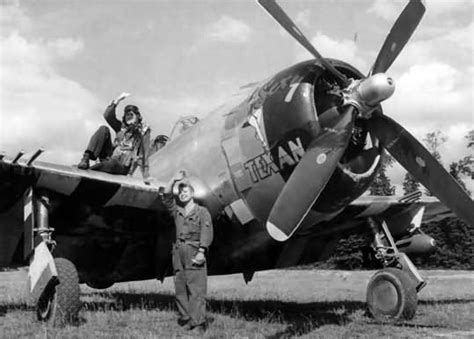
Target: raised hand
121 97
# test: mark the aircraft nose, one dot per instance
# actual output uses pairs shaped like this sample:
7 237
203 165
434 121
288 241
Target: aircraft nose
375 89
286 118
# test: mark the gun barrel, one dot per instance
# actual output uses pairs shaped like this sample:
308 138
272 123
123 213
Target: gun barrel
18 156
35 156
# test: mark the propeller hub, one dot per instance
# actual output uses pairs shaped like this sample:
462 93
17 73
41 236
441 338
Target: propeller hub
366 94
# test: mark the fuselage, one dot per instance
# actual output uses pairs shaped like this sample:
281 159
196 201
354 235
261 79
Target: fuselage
238 158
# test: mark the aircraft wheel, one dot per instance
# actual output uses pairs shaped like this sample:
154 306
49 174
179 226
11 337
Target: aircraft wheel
60 304
391 295
100 284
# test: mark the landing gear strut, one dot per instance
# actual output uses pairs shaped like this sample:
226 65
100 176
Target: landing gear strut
392 291
53 283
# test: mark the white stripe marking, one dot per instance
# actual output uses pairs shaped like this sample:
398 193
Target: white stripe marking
28 205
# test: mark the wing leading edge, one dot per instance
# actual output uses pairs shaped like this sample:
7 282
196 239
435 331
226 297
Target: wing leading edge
389 206
101 188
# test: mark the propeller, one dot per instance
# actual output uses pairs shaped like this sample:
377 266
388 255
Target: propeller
411 154
399 35
417 160
309 177
361 97
284 20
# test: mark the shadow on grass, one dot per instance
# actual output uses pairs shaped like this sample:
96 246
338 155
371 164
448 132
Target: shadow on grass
9 307
301 318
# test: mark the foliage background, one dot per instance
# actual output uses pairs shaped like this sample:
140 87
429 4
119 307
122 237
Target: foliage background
454 250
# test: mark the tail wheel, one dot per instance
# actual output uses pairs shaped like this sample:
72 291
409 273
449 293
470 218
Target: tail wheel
391 295
60 304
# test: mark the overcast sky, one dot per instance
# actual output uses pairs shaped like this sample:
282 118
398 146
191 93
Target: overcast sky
62 62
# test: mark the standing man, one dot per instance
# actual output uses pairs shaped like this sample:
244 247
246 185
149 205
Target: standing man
130 147
194 234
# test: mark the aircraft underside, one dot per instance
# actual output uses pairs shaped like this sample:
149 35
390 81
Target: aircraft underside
116 244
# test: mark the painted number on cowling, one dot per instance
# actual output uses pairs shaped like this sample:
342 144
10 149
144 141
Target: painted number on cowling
291 92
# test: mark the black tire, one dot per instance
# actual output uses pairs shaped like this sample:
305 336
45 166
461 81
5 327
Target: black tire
100 284
391 296
60 304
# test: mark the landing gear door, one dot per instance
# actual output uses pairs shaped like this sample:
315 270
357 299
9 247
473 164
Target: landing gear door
42 271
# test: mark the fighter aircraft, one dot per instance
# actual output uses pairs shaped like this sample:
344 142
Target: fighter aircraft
282 167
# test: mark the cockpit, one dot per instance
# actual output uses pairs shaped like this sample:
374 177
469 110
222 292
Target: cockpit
183 124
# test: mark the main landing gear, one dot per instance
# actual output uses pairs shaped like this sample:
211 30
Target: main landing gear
392 291
53 283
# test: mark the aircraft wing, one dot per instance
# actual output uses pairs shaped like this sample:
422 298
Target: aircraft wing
391 205
100 188
400 213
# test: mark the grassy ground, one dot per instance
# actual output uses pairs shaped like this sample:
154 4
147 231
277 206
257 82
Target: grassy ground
276 304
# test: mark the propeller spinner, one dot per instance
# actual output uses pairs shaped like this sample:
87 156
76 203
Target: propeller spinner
362 97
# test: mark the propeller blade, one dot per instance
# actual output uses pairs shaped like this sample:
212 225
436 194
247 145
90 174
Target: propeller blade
422 165
400 33
284 20
309 178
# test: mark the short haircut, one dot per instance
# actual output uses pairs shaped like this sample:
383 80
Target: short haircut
185 184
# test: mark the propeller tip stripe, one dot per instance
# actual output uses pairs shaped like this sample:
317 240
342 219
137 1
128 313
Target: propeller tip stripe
276 233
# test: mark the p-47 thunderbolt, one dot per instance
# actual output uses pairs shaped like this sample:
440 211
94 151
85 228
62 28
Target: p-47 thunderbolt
282 167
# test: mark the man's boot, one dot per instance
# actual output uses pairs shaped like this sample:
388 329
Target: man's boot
84 163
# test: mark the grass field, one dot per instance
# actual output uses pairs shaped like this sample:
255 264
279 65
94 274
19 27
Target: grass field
275 304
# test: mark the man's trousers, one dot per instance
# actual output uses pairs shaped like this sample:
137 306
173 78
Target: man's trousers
100 147
190 284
